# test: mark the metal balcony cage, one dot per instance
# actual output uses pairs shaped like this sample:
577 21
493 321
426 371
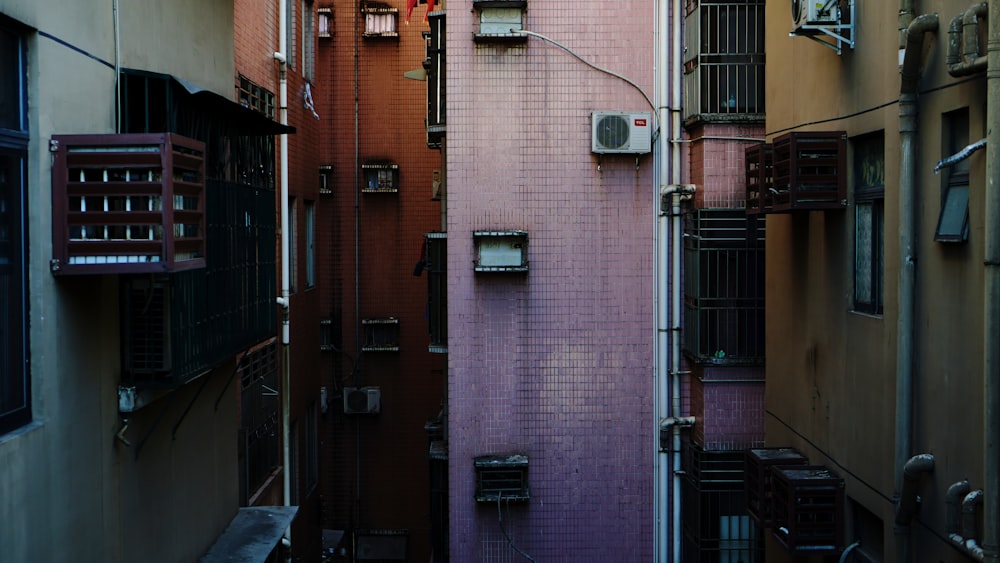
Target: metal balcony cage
716 526
724 287
127 204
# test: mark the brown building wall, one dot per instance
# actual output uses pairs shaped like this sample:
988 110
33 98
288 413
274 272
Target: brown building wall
831 371
376 472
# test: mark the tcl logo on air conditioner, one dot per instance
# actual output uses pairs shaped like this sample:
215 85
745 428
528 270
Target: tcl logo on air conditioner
620 133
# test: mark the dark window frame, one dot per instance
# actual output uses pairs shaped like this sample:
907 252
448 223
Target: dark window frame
953 218
15 375
869 194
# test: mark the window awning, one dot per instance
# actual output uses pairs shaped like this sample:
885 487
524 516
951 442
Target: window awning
251 536
241 119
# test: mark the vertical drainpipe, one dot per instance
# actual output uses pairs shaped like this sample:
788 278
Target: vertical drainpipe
668 280
991 334
909 83
675 265
283 301
661 483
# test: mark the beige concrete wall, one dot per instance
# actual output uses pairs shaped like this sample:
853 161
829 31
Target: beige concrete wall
831 372
70 490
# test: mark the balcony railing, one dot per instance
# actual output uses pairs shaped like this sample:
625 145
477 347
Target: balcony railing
129 203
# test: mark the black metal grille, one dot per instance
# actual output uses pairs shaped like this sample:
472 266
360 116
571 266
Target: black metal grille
716 526
437 289
725 74
259 428
724 287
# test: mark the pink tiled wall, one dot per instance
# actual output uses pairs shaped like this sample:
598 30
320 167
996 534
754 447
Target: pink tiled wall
716 166
728 403
556 363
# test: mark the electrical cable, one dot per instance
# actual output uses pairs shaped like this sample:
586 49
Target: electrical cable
504 530
588 63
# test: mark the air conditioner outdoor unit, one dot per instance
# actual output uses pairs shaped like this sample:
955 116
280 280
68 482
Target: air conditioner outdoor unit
815 12
362 400
620 132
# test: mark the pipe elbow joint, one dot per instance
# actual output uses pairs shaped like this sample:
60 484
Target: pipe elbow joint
912 470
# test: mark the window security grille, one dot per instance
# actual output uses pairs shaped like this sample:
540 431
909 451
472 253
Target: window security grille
259 427
381 335
724 287
380 21
437 290
501 477
255 97
380 178
724 74
716 526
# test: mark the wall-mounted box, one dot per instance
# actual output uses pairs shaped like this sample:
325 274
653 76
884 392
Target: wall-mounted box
501 251
380 177
498 21
362 400
132 203
501 477
757 467
381 335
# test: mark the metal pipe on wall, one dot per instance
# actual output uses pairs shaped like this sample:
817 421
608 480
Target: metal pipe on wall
908 124
661 483
991 332
281 57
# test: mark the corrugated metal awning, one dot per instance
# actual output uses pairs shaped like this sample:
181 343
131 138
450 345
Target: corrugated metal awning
251 536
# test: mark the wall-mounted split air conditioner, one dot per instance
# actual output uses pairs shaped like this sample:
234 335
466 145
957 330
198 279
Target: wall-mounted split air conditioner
620 132
362 400
815 12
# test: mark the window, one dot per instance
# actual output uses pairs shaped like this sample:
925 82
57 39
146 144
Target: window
290 46
310 244
436 252
724 287
255 96
293 245
312 449
15 405
869 201
953 220
326 179
380 20
308 41
725 68
259 426
324 17
381 335
380 177
435 66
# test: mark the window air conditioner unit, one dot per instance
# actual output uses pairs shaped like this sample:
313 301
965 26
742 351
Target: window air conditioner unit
815 12
620 133
362 400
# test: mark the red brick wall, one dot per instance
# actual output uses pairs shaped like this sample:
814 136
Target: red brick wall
376 469
256 40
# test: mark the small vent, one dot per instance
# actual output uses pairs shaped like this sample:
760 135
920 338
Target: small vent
362 400
616 132
501 477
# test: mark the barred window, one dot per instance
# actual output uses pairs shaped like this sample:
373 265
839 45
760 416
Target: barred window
724 71
259 423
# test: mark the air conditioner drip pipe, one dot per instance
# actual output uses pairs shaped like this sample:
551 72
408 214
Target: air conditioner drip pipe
963 42
917 465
